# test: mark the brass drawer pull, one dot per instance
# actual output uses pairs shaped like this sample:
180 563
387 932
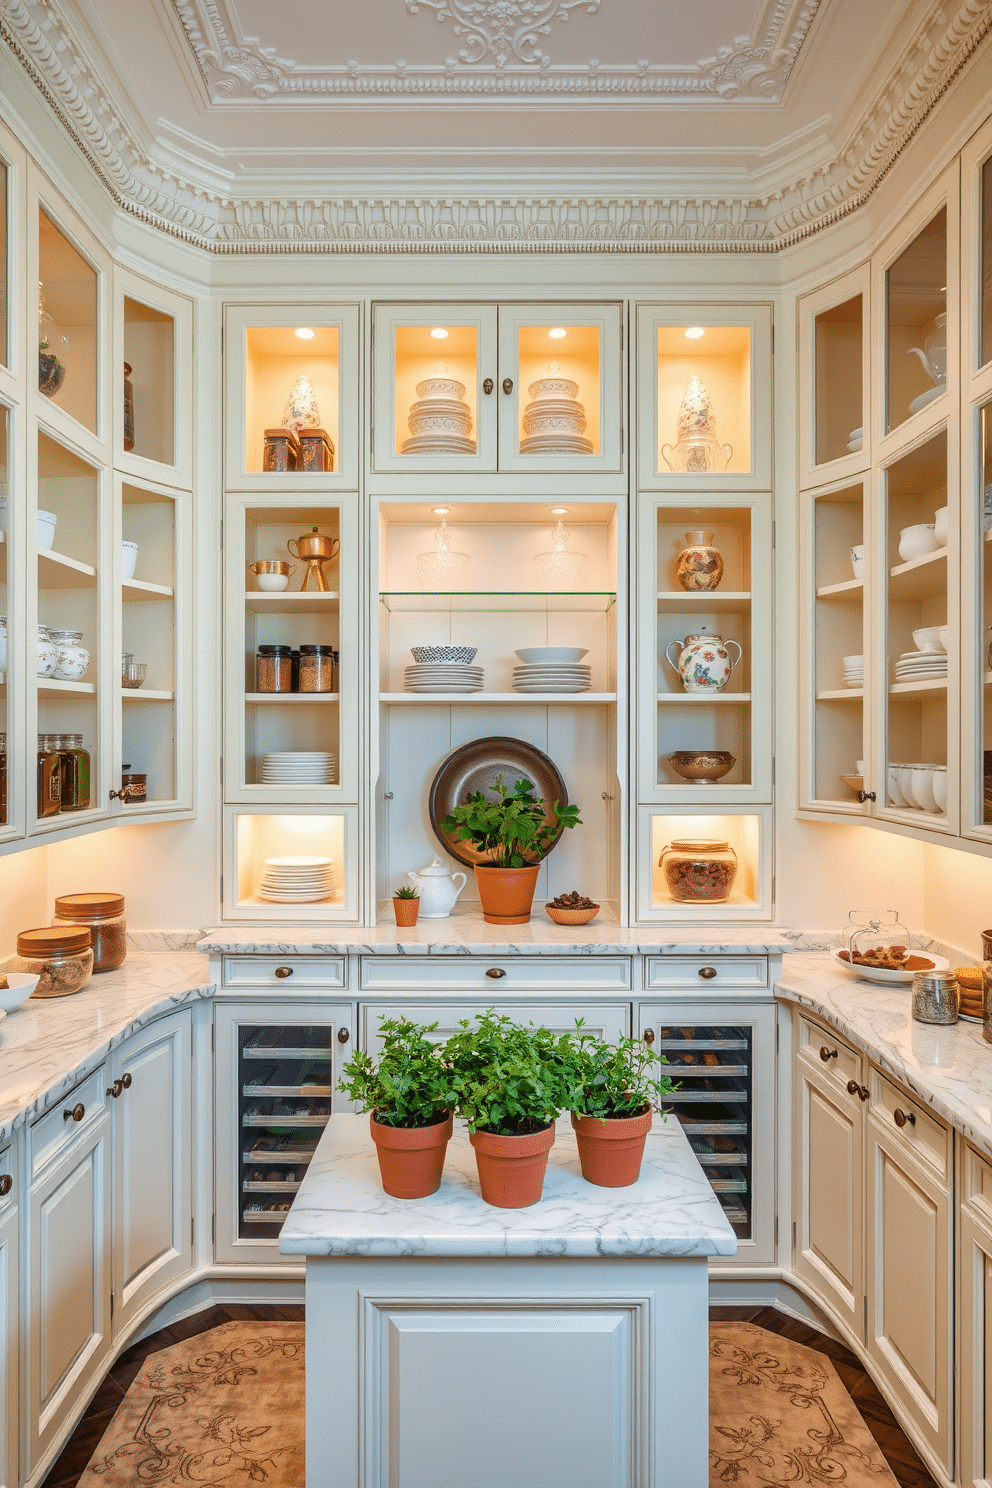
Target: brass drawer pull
828 1054
77 1112
649 1035
6 1184
487 385
126 1080
283 971
861 1091
707 973
902 1117
343 1035
495 972
115 1089
508 384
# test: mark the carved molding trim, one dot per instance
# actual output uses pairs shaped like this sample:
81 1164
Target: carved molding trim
501 57
39 37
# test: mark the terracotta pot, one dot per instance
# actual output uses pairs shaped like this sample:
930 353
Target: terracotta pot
506 893
611 1153
406 911
411 1158
511 1169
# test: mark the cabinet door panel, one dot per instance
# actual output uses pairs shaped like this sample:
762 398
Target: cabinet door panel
152 1148
829 1222
9 1341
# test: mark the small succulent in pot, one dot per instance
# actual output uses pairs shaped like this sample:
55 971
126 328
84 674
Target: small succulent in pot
616 1089
406 906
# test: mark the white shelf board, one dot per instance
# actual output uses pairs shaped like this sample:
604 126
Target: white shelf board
146 695
314 602
716 600
57 571
453 699
292 697
848 590
139 589
918 689
841 695
52 687
700 699
919 577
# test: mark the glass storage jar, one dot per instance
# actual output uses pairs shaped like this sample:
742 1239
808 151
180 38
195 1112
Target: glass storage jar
61 955
49 777
936 997
75 771
103 916
699 870
316 669
134 785
274 668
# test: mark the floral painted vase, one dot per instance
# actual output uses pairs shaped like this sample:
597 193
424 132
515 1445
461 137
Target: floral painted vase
704 663
699 566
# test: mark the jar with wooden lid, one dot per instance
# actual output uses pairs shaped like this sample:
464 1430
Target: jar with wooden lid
699 870
61 955
103 916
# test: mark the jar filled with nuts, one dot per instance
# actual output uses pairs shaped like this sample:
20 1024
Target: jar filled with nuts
699 870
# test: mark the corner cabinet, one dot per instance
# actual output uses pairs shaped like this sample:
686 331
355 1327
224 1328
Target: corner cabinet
10 1374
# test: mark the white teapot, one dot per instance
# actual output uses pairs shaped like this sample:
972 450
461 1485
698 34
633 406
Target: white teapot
933 352
704 663
437 891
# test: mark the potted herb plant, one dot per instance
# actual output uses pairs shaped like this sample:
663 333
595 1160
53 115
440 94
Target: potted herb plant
406 906
510 1083
515 829
616 1089
408 1092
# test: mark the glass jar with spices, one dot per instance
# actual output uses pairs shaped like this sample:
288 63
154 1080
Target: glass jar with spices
49 777
134 785
61 955
699 870
274 669
103 916
936 997
316 669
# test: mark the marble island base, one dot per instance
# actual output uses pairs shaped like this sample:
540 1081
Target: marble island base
454 1345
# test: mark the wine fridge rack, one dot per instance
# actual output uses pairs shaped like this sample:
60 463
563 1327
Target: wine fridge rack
285 1084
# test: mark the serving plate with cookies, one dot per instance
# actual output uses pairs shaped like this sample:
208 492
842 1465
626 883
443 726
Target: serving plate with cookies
894 963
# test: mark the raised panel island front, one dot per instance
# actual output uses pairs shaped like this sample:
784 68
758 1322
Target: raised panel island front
452 1343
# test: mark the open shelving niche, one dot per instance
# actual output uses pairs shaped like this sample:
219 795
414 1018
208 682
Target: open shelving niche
252 834
583 733
749 833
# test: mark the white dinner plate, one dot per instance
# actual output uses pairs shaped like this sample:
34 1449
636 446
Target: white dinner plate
882 973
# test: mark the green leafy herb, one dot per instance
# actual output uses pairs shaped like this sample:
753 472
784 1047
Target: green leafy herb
615 1080
406 893
513 829
508 1079
409 1084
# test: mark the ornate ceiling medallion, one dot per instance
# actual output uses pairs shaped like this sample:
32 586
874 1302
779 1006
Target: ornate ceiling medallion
506 30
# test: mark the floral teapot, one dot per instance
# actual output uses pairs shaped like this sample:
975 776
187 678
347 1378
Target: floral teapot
704 663
436 889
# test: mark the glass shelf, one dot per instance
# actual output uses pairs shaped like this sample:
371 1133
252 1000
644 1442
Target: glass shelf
479 601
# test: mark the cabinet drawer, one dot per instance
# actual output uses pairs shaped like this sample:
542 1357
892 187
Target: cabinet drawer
271 971
842 1063
608 1020
977 1187
711 972
922 1136
57 1129
494 976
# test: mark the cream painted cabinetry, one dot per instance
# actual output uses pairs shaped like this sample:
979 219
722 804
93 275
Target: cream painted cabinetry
974 1313
10 1374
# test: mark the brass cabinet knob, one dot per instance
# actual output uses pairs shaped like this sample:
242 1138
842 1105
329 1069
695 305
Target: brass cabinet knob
343 1035
707 973
6 1184
126 1081
827 1054
864 796
77 1112
496 972
487 385
861 1091
284 971
115 1089
649 1035
902 1117
508 384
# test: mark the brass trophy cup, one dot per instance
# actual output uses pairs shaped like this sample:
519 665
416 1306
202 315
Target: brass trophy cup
314 550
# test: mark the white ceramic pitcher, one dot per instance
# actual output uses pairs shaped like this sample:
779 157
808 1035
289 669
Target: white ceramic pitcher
704 663
436 889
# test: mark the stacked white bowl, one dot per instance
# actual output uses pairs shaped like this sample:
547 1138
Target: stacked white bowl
443 669
928 660
920 787
854 671
552 669
553 421
297 880
440 421
299 767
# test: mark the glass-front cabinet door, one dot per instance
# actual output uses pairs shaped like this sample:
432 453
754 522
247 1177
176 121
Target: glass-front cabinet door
153 361
292 382
705 651
11 684
435 378
70 315
834 436
704 401
560 387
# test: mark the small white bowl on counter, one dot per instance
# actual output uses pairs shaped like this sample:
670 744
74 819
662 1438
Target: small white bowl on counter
20 985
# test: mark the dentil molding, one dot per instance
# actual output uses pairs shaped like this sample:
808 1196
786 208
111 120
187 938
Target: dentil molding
501 57
41 36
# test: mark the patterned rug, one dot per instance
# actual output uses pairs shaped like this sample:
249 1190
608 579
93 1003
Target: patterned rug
225 1410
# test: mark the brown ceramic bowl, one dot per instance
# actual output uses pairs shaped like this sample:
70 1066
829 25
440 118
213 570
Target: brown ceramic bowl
702 766
571 916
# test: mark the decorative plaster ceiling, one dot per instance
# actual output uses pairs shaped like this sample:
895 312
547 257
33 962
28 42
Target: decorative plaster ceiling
500 49
247 128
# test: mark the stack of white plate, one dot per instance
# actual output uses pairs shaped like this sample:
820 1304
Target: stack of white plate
443 676
297 880
856 439
543 677
440 421
554 421
854 671
919 666
299 767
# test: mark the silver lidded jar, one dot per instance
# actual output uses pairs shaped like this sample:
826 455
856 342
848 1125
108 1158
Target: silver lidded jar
936 997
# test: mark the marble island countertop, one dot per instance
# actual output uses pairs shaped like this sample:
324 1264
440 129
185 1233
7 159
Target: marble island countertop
948 1068
48 1044
341 1210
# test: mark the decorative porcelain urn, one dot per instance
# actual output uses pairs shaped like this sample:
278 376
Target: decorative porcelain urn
704 663
698 448
699 566
436 889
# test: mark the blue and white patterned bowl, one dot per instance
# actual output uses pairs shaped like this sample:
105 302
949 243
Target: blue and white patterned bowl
442 654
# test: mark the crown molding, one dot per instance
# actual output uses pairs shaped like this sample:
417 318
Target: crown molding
500 59
42 39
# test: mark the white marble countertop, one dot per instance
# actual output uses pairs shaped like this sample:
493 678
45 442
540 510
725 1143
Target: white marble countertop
341 1210
469 935
47 1045
948 1069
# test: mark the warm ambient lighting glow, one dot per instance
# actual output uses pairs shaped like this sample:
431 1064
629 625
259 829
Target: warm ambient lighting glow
559 511
694 333
439 333
557 333
304 333
441 511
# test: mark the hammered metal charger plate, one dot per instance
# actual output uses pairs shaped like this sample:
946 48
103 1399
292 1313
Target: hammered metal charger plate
475 767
